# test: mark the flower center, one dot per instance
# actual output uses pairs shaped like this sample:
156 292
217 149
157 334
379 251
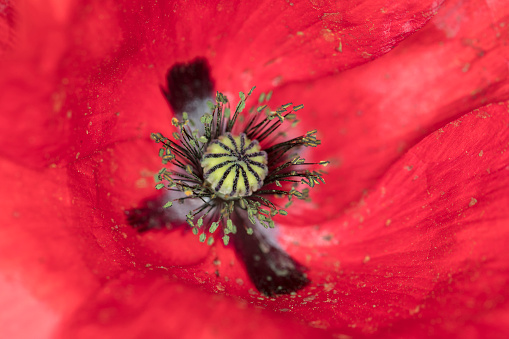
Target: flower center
234 166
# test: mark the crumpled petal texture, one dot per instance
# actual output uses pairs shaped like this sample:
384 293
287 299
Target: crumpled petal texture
7 24
116 48
271 41
378 111
425 250
411 242
124 307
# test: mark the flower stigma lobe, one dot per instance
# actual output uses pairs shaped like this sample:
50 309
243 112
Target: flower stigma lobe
234 166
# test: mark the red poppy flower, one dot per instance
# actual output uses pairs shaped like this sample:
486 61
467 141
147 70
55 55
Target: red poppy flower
407 238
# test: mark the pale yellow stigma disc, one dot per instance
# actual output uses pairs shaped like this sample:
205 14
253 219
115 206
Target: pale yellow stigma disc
234 166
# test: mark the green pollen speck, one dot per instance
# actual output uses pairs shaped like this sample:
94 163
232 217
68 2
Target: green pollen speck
168 204
210 241
226 240
213 227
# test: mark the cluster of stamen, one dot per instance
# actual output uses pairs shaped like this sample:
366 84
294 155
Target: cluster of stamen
227 170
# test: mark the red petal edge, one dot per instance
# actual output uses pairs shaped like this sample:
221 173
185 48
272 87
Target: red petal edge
425 251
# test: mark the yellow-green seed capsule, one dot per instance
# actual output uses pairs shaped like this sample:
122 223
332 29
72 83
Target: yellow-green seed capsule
234 166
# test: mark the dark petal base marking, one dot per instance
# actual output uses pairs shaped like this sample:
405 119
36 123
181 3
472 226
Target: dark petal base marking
271 269
150 214
189 86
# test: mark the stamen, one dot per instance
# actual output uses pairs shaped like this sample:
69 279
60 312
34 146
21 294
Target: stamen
223 169
230 174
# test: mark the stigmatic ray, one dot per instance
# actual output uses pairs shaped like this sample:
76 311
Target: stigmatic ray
235 162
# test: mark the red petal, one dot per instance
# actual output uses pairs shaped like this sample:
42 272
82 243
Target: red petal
157 307
34 238
7 23
369 116
40 90
23 315
426 251
271 42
